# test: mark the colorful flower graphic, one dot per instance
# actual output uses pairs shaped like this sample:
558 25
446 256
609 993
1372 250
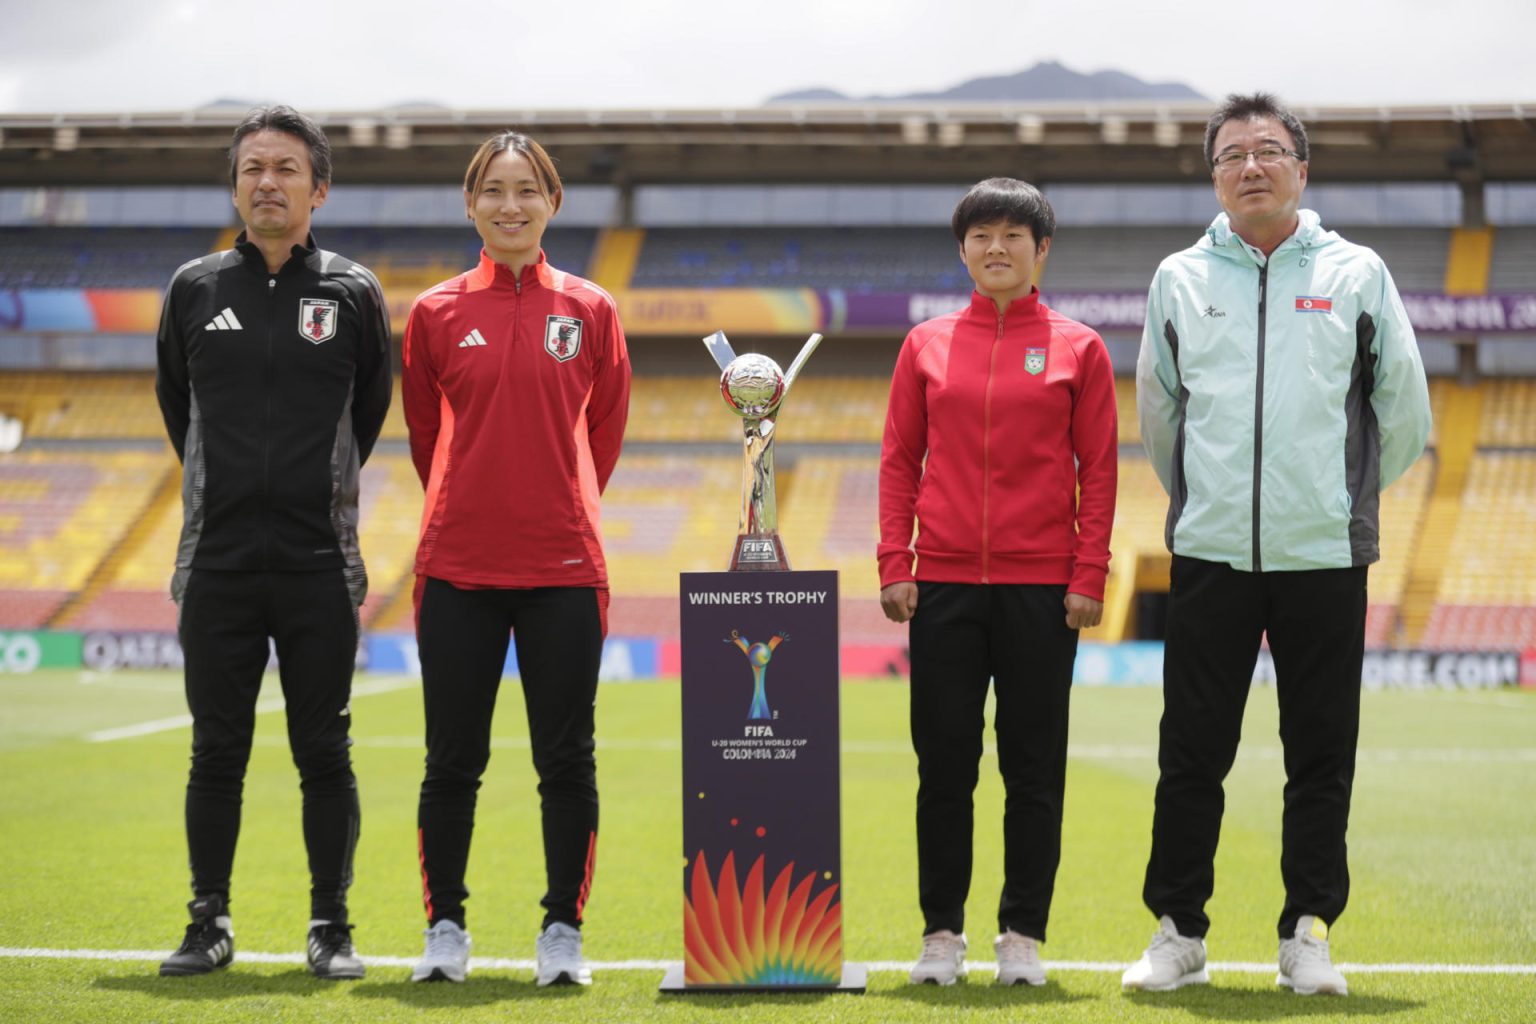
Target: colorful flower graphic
739 936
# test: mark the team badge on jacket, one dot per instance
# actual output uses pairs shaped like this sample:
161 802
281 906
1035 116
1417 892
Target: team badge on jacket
1314 304
317 319
1034 360
562 337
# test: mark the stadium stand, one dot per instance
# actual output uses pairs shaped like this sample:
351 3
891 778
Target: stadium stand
390 511
924 259
1402 512
1100 258
61 514
421 257
855 259
1509 414
833 408
1416 256
134 593
1514 260
98 406
1487 595
1089 259
120 257
667 512
137 594
1125 411
1435 563
664 514
97 258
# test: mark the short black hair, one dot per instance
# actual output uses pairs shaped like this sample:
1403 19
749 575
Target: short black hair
289 121
1246 108
1008 200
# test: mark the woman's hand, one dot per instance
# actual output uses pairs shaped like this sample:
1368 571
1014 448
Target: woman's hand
899 601
1082 612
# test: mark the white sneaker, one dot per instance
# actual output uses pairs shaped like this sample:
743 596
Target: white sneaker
1171 961
560 961
943 959
1304 965
1018 959
447 954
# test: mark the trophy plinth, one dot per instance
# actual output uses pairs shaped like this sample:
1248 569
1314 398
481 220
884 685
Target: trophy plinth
754 388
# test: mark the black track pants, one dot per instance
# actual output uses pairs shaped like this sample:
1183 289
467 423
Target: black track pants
463 635
226 620
1316 625
964 638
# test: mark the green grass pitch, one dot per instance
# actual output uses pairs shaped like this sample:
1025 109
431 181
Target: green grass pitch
1442 844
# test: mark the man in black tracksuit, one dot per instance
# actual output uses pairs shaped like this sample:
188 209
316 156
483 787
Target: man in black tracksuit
273 379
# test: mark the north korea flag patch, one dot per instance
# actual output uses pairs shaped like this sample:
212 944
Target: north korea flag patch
1314 304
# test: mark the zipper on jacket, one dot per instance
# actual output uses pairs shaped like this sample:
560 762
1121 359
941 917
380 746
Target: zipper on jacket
266 432
986 454
1258 418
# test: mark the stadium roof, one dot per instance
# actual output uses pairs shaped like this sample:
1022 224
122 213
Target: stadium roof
810 142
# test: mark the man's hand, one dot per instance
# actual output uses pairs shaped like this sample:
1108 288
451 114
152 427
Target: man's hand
899 601
1082 612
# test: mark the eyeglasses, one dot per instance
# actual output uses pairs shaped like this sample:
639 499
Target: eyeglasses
1265 157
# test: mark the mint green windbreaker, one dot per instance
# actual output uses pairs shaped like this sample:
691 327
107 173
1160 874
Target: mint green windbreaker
1278 397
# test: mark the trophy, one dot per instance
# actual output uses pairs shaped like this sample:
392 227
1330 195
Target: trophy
754 387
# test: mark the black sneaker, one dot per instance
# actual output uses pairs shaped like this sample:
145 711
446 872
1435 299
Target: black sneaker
331 954
209 943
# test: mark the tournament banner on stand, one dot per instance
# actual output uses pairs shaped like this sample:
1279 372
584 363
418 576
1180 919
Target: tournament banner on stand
762 882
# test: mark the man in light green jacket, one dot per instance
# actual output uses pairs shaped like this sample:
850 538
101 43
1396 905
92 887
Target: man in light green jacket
1279 389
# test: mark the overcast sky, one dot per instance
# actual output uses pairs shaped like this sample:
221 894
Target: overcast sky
158 55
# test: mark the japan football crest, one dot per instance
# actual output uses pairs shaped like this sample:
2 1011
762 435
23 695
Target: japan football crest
1034 360
317 319
562 337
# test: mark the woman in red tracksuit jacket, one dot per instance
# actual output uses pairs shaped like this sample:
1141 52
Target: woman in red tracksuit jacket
1000 442
516 389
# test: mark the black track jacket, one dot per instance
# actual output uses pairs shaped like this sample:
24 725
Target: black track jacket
273 388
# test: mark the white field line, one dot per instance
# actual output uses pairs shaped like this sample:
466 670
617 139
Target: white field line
1488 698
366 688
882 966
1085 751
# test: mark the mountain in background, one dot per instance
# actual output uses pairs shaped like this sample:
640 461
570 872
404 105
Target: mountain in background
1045 81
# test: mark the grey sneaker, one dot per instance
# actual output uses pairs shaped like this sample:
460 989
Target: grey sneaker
1171 961
209 942
943 959
1304 964
560 961
331 954
1018 959
447 954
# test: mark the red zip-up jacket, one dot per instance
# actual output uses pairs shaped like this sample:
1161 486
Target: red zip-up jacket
516 389
1015 416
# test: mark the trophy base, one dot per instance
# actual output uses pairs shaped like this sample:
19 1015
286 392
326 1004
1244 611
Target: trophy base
759 552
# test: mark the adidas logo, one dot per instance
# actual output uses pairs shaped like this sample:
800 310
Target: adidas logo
221 952
225 321
472 339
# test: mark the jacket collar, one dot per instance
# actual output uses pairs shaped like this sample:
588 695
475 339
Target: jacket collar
1309 234
252 255
490 274
1028 306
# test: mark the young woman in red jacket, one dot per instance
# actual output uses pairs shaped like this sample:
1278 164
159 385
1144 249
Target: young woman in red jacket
1000 447
516 389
